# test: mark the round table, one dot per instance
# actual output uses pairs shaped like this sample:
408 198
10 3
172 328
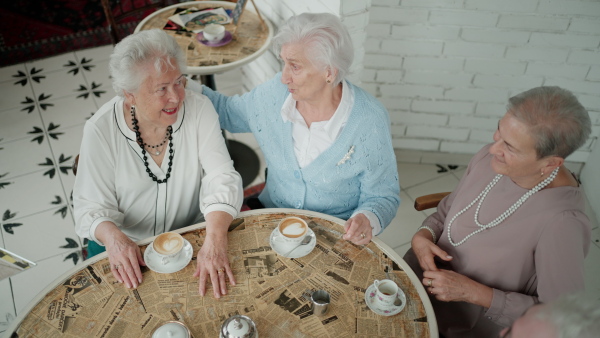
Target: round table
272 290
250 39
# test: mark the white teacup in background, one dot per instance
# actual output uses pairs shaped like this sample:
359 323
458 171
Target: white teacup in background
168 245
213 32
387 291
292 230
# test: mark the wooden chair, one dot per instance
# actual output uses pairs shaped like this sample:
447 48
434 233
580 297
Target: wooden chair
116 11
75 163
429 201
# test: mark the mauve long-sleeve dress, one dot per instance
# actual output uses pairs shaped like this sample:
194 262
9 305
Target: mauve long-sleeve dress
534 256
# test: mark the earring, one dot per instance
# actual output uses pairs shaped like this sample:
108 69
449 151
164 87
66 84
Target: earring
328 81
541 173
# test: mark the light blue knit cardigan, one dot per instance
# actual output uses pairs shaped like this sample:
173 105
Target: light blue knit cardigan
358 172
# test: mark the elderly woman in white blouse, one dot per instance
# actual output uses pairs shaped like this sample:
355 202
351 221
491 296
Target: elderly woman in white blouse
152 160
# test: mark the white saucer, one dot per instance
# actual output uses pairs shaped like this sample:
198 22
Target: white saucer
154 262
283 248
381 309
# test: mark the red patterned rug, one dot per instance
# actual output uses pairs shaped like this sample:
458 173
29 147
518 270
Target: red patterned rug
34 29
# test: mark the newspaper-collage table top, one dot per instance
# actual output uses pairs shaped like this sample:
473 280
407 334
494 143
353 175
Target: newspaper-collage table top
272 290
250 38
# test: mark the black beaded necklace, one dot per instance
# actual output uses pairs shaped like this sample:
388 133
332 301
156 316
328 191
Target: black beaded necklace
136 128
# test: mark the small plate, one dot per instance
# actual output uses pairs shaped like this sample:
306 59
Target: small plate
381 309
154 262
283 248
225 40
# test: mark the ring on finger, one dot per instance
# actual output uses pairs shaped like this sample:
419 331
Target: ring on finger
220 271
430 282
362 235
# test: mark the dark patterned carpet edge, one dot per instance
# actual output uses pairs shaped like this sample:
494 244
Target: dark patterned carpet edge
45 48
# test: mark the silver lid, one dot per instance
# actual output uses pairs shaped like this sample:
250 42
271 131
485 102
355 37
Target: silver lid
238 326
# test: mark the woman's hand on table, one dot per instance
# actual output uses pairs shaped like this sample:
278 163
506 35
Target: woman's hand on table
426 251
358 230
449 286
124 255
212 260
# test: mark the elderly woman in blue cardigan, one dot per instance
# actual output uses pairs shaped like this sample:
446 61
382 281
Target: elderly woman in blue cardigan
326 142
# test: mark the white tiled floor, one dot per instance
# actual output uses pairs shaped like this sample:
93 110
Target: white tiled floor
43 107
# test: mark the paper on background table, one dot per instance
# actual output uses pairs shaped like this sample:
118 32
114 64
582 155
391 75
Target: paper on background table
11 264
219 15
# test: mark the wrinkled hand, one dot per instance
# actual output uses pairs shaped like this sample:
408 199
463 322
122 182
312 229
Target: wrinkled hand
449 286
213 262
426 250
125 259
356 226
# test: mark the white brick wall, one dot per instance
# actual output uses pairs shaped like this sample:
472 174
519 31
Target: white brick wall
445 69
450 65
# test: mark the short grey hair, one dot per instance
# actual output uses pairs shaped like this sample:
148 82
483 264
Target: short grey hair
327 40
574 315
149 46
558 122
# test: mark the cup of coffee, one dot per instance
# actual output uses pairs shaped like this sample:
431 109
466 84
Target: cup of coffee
213 32
292 230
387 291
168 245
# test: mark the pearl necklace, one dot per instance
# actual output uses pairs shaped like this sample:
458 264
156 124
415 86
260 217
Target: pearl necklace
505 214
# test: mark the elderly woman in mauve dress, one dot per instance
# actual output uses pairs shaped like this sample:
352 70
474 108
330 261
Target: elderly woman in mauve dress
153 159
514 232
326 142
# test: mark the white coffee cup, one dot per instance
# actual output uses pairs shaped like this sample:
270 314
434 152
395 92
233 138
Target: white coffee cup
213 32
387 291
292 230
167 246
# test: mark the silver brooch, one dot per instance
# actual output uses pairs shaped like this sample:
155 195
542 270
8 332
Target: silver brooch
347 156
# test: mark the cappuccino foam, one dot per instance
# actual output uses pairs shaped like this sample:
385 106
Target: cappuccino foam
294 229
168 243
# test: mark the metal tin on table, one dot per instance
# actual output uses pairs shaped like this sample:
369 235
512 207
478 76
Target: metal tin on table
238 326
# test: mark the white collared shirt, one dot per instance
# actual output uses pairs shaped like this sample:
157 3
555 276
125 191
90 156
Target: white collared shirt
311 142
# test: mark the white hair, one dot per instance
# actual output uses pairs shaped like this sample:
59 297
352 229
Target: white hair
575 315
326 39
150 46
557 121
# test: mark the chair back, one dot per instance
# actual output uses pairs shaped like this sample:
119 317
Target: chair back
429 201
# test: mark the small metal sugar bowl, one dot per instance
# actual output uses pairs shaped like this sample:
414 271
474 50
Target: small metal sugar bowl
238 326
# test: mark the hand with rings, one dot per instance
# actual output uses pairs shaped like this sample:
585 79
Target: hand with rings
449 286
358 230
212 260
124 256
